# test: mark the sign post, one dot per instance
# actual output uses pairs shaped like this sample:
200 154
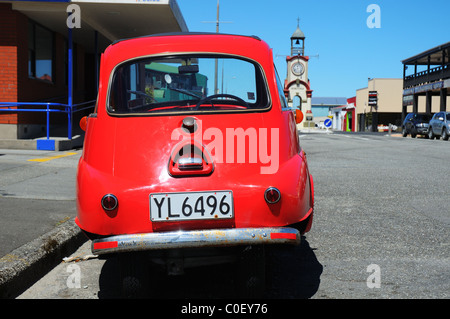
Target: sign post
373 103
328 123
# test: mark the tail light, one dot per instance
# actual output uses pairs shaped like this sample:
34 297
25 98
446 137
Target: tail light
272 195
109 202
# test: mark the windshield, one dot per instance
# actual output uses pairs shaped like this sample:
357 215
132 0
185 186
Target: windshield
423 117
186 84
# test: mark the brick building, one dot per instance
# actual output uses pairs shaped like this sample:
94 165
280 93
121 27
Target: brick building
45 57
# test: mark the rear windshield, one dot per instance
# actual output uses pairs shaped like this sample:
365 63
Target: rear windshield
187 84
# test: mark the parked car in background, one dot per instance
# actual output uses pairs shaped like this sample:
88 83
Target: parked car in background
176 170
440 126
415 124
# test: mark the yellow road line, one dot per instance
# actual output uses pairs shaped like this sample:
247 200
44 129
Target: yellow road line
46 159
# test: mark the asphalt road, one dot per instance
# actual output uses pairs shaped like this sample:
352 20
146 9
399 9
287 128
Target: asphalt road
380 201
381 230
37 193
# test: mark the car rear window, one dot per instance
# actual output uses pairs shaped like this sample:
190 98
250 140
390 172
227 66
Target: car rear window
187 84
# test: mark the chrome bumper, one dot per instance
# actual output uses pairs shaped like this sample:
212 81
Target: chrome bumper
196 238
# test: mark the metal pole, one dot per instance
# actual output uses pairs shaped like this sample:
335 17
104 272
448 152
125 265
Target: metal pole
443 100
96 58
48 121
216 62
70 84
217 21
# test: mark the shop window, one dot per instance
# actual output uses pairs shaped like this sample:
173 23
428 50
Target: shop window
40 52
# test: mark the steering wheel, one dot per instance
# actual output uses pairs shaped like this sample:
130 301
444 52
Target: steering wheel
215 96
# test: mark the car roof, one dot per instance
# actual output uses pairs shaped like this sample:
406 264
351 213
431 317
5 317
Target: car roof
185 33
250 47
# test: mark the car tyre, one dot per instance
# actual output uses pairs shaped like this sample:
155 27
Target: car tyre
431 134
134 275
251 274
444 135
404 132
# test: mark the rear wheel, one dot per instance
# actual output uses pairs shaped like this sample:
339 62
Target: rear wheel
251 273
444 134
430 134
134 275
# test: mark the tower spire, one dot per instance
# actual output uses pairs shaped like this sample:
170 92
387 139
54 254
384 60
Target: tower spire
298 41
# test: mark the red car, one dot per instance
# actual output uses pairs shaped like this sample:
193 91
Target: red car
192 152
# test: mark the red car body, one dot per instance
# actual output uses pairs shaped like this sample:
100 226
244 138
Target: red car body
244 148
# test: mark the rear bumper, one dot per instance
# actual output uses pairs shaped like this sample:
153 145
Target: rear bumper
195 239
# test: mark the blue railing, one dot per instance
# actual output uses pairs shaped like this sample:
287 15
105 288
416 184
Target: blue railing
48 108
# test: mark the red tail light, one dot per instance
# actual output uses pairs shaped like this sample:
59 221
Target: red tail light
109 202
272 195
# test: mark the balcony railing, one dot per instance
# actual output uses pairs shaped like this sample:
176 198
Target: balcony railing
427 76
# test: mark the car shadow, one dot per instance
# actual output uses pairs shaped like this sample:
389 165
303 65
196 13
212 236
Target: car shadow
292 273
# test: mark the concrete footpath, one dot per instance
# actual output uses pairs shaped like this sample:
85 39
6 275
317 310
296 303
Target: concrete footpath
25 265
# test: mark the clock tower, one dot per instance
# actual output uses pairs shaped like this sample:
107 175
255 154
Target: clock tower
297 87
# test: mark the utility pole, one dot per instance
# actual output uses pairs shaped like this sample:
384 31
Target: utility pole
217 22
216 62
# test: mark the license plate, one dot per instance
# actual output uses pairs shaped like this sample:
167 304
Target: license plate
191 206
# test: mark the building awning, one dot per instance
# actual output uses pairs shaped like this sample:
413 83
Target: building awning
343 108
328 101
435 55
113 19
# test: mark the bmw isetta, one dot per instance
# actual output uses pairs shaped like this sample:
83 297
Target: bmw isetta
192 151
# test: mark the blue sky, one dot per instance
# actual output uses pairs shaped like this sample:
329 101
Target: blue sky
349 51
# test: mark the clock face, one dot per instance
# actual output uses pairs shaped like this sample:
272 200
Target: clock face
298 68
